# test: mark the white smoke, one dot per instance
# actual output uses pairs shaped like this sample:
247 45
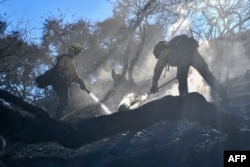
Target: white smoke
131 101
179 27
197 84
146 69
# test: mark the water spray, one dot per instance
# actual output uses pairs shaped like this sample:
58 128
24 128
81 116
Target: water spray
105 109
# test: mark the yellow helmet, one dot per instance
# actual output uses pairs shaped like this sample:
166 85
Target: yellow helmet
76 48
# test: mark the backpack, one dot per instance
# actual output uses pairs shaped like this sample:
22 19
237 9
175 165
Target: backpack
183 41
180 44
45 79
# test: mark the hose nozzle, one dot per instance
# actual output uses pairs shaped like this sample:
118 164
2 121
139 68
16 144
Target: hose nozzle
87 90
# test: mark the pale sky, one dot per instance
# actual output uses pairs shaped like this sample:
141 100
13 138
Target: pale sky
31 13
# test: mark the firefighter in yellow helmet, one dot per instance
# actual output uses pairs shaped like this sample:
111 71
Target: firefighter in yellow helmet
65 73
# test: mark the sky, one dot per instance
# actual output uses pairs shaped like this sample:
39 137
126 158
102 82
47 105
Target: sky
31 13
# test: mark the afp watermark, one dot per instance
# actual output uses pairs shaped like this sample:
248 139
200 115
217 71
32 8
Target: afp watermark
236 158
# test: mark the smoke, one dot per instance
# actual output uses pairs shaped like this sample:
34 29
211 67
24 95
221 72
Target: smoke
182 25
179 27
146 69
131 101
225 58
197 84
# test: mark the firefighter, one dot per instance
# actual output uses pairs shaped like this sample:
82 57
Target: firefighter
182 52
65 73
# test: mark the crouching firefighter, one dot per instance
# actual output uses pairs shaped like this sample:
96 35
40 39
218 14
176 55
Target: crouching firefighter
60 76
182 52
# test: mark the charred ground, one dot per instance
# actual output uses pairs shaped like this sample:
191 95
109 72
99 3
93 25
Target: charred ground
191 136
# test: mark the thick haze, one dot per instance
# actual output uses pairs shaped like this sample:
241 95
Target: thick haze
227 57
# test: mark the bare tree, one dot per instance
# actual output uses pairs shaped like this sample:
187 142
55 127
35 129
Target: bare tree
224 18
19 62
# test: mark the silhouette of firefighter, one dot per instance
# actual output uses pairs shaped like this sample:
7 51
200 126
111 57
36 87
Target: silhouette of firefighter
182 52
60 76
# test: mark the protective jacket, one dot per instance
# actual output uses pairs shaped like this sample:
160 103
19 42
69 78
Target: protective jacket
65 64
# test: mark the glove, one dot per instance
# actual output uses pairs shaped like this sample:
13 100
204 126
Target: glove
154 89
82 85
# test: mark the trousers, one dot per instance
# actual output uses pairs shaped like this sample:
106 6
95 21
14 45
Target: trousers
61 87
201 66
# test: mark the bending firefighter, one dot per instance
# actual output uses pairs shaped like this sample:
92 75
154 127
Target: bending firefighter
66 73
182 52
